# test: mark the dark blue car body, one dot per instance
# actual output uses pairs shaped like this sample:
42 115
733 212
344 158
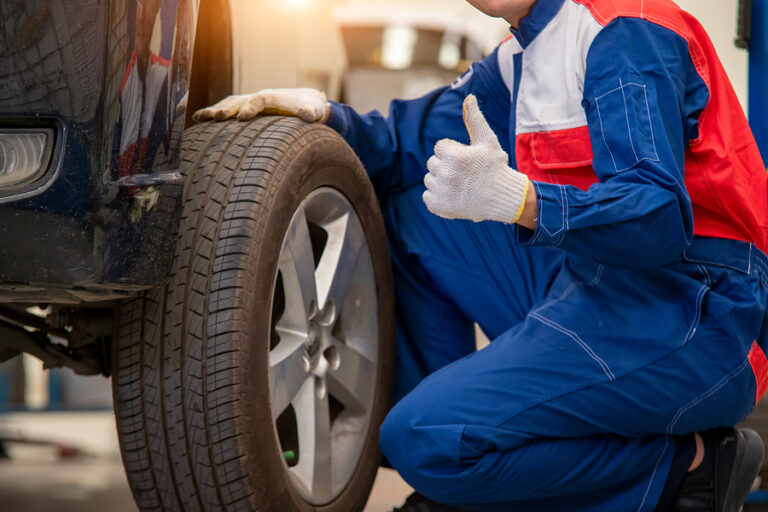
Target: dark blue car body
111 79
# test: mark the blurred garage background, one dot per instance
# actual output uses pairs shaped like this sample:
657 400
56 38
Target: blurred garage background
58 447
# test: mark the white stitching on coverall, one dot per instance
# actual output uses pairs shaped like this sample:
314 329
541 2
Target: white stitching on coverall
575 337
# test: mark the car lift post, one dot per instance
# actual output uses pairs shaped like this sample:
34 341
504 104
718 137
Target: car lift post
752 28
758 75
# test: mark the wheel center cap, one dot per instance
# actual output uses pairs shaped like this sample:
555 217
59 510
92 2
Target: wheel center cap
312 347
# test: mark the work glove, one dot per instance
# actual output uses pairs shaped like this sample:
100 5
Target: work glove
474 182
310 105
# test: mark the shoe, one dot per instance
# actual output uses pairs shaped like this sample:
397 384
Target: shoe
732 461
419 503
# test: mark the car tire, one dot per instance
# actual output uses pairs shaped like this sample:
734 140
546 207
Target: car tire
208 414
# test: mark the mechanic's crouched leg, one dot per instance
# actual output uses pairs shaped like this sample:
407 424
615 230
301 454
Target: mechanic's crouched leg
450 274
579 409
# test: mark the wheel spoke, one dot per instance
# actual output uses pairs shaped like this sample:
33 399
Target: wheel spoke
298 269
353 382
287 373
339 261
314 429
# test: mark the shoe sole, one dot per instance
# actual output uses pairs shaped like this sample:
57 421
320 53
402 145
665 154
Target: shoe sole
746 467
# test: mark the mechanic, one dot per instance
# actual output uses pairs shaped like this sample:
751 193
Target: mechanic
591 195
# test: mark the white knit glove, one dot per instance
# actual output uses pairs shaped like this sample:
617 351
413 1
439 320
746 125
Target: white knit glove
310 105
474 182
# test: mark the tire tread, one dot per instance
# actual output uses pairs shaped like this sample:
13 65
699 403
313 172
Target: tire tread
179 350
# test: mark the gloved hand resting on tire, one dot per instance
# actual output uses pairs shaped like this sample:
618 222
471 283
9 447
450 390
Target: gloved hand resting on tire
310 105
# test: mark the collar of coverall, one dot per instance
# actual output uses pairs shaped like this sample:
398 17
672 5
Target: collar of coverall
542 12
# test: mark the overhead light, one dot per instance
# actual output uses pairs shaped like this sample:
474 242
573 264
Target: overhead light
398 47
24 155
450 52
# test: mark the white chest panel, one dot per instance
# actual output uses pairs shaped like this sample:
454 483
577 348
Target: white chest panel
553 68
506 56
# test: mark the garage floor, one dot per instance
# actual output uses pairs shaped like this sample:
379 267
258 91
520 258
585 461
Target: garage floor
37 480
100 485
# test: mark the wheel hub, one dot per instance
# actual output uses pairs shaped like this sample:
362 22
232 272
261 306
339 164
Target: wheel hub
312 349
318 340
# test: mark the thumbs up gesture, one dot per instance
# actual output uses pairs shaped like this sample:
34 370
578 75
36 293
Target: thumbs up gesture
474 182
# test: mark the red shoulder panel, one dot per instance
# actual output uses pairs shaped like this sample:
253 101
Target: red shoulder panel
664 13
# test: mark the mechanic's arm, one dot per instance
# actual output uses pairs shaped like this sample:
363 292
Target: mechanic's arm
640 118
395 149
382 144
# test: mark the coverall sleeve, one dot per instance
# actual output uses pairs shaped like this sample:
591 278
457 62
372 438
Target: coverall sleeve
395 149
378 141
641 113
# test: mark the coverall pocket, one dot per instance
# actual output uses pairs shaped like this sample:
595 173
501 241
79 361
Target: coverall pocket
625 122
563 157
562 149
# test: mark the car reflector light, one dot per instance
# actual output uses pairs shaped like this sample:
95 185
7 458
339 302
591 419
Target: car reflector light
24 155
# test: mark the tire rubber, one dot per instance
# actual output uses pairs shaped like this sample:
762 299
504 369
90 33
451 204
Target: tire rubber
190 359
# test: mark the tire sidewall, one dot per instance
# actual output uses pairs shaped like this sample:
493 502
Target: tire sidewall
319 159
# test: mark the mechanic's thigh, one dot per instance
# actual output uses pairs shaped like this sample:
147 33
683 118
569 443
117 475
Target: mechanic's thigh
478 266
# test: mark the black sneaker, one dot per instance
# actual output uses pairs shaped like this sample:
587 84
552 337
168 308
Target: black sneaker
732 461
419 503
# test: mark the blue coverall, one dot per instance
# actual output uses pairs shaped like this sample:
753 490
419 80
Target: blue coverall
614 330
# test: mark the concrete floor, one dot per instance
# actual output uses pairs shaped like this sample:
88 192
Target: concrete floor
36 480
40 486
97 486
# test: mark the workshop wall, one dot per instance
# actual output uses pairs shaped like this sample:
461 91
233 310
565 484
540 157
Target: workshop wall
719 18
291 43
